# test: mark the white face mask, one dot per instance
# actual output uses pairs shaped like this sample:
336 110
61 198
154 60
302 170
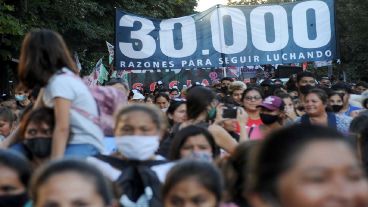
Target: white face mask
136 147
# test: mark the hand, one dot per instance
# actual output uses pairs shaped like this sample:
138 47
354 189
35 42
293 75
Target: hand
242 116
219 111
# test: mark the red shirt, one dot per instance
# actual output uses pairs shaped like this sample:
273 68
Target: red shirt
253 129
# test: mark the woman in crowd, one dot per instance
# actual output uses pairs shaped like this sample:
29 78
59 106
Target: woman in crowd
45 61
202 112
149 99
311 166
138 131
236 90
359 132
177 112
289 107
335 102
234 169
15 173
192 183
252 97
316 114
35 132
7 122
194 142
70 183
272 113
162 100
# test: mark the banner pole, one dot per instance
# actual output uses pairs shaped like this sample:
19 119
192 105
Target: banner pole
221 32
115 39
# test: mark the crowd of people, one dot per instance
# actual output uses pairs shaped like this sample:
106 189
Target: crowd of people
296 144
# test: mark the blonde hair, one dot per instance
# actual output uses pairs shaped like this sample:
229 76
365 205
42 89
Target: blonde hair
237 85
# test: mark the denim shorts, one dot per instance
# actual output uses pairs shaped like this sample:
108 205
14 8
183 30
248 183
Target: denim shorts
80 151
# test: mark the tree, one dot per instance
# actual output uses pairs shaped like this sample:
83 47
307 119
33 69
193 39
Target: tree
352 21
84 24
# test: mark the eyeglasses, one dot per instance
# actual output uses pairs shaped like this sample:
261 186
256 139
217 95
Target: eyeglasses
250 98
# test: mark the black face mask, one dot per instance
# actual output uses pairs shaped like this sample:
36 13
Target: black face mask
13 200
39 147
269 119
305 89
336 108
224 89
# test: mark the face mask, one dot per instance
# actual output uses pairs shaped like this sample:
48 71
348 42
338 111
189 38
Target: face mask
202 156
268 119
176 96
137 147
224 89
20 97
336 108
211 115
13 200
305 89
39 147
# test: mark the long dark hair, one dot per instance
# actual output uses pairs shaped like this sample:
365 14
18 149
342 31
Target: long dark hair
205 174
102 186
37 116
278 153
198 99
234 170
359 131
43 53
254 88
172 108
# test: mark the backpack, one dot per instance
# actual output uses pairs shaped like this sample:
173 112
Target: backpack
139 184
108 99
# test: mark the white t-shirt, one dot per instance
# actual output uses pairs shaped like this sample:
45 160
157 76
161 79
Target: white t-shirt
68 86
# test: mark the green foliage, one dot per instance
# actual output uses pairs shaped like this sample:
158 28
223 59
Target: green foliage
352 21
84 24
9 26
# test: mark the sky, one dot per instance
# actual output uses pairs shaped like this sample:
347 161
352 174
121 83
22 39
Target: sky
206 4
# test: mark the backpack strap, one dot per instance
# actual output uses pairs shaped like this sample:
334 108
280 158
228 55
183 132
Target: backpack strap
86 114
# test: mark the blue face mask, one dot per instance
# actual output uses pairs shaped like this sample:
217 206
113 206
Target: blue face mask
20 97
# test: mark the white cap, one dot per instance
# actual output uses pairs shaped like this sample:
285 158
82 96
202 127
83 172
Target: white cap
137 95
